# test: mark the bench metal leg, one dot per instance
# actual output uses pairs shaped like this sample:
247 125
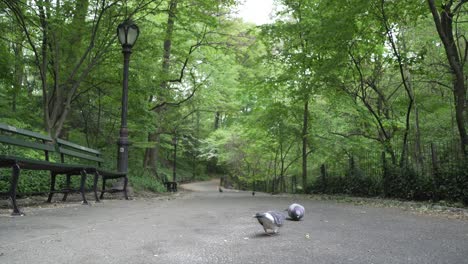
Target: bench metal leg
53 177
82 186
14 184
125 187
103 187
67 188
96 179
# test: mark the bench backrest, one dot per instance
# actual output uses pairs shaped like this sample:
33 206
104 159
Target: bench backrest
67 148
10 135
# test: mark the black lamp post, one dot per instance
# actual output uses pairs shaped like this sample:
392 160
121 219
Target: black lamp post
174 141
127 33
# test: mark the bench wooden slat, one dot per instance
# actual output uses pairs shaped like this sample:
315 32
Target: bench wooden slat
33 164
111 174
27 144
80 155
76 146
24 132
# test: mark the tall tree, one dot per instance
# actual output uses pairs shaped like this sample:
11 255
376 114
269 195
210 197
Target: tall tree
448 17
187 29
67 40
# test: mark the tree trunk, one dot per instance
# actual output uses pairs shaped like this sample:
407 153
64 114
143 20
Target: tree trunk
216 121
168 42
18 69
443 23
323 177
174 165
42 65
404 74
380 112
151 154
305 127
418 144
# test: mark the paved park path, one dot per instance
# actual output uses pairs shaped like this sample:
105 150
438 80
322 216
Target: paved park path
206 226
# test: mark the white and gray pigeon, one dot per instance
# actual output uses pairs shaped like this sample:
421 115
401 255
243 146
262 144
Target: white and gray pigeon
271 220
296 211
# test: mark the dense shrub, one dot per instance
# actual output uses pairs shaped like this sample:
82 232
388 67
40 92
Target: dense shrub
143 180
35 182
406 183
451 183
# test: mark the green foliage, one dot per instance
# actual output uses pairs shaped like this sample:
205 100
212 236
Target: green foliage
451 183
36 182
353 182
406 183
143 180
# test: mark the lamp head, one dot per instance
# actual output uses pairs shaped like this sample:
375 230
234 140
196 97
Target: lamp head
128 33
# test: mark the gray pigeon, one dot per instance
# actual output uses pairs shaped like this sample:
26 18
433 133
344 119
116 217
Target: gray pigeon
296 211
270 220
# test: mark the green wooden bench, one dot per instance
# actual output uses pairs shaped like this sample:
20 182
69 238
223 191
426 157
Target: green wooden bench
72 150
171 186
27 140
11 136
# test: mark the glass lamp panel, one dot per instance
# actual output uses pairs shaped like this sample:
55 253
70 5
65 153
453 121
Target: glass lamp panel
121 34
132 35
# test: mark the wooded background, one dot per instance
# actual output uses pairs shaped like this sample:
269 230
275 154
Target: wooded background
362 97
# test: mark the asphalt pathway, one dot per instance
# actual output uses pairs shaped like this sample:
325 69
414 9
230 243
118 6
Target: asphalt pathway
205 226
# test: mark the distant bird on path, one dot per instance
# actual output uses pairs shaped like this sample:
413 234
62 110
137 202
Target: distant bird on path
296 211
220 190
270 220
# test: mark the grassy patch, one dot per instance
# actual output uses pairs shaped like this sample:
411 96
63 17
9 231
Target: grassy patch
143 180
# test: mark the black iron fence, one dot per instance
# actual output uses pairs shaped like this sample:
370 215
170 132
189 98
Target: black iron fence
431 172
